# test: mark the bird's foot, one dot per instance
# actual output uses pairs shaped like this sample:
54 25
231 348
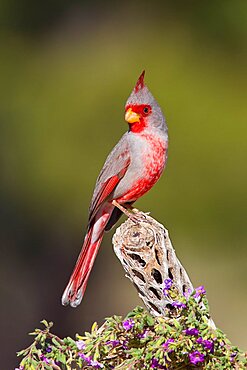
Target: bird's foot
137 211
139 216
133 213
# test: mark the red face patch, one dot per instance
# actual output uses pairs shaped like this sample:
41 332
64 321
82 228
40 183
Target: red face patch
143 110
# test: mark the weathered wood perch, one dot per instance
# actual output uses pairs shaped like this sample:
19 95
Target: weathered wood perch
148 257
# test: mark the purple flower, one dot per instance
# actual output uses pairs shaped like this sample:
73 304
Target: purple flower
166 344
80 344
187 293
178 304
48 349
155 364
196 357
168 283
199 291
233 354
97 365
128 324
143 335
125 344
113 343
192 331
20 368
44 359
89 361
208 344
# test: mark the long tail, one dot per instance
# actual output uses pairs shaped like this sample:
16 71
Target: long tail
76 287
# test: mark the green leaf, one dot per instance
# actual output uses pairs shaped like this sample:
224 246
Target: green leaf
61 358
23 352
54 341
44 322
176 324
150 320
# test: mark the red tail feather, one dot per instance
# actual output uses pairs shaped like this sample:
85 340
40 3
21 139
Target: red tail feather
76 287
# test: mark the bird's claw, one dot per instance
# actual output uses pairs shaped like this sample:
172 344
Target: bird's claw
138 216
133 213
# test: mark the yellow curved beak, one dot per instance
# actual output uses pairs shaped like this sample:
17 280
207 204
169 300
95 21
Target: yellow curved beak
131 116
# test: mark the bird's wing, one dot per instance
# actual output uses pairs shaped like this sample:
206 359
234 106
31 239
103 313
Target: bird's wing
112 172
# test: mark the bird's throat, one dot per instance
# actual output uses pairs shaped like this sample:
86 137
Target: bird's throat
137 126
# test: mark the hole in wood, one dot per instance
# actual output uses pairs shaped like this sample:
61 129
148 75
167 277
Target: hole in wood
137 258
157 276
157 256
139 290
154 307
155 292
139 275
170 307
167 255
136 234
181 272
170 273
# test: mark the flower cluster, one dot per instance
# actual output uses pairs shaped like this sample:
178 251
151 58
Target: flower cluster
183 339
86 356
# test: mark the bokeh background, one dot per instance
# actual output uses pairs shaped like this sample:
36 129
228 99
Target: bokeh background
67 68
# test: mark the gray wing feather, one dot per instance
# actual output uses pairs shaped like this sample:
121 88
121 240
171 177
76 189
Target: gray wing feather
116 161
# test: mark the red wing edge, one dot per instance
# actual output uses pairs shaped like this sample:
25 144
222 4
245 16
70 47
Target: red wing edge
107 188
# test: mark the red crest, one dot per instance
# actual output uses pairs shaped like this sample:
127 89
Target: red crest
140 82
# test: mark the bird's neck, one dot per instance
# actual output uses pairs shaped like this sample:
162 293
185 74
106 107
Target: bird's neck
138 127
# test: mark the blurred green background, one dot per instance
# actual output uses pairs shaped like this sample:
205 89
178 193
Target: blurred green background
67 68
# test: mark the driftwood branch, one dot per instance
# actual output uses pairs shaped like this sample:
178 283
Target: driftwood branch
148 257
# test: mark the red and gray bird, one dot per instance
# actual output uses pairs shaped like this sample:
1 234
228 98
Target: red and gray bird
131 169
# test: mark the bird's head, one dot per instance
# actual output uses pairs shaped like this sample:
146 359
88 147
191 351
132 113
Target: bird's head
142 110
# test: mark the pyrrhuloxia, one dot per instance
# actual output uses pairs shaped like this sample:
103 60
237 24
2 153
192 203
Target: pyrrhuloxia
130 170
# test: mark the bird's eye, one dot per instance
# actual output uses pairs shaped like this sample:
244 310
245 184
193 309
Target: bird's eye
146 110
